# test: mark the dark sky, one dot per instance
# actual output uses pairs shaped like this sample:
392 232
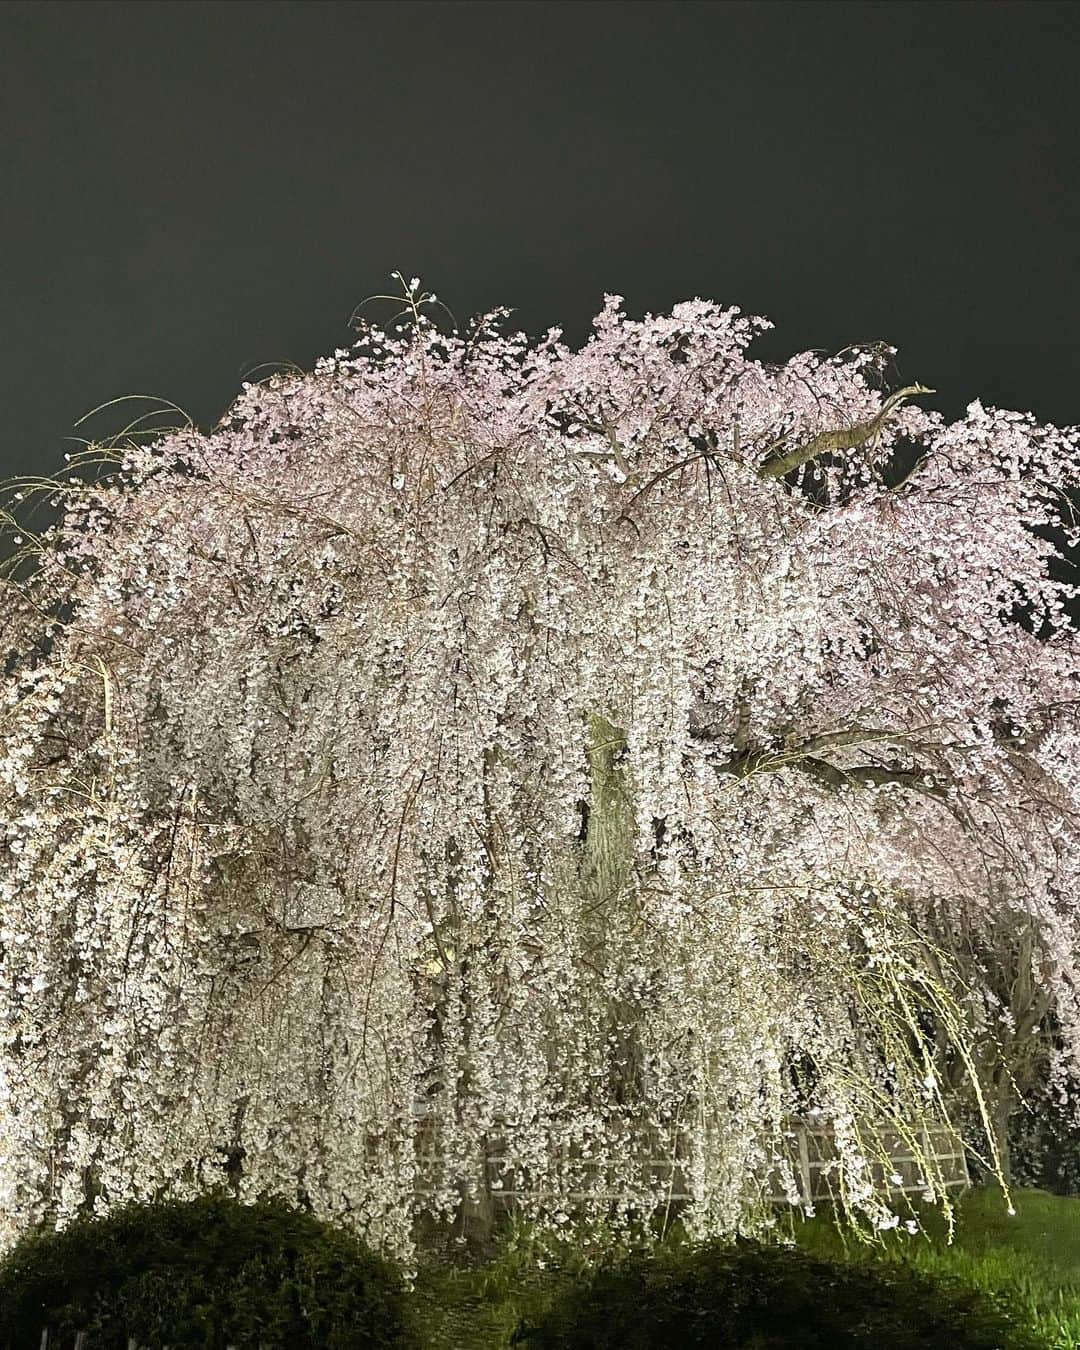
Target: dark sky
191 189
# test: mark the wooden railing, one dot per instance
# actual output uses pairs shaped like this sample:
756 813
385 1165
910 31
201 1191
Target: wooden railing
811 1152
814 1155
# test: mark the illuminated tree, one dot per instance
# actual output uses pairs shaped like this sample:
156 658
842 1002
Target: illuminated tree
476 738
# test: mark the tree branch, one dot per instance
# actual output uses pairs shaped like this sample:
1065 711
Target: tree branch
868 775
860 775
843 438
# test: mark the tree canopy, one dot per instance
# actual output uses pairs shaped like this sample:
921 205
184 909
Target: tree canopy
473 736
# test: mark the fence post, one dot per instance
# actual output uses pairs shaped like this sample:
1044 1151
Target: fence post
804 1166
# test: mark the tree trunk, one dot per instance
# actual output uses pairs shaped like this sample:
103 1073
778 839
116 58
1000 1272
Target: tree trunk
474 1224
606 863
1000 1115
608 850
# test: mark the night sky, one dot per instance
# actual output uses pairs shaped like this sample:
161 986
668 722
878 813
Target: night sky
193 189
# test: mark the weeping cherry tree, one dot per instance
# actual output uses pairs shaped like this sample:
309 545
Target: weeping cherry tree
475 738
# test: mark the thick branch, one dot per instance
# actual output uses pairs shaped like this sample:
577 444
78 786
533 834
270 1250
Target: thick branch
843 438
702 728
868 775
859 775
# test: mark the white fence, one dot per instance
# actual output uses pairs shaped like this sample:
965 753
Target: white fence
813 1157
811 1151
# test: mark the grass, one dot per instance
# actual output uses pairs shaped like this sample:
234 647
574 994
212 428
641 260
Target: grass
1032 1256
478 1306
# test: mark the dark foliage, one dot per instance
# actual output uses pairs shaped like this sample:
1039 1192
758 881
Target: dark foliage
209 1273
1044 1141
744 1296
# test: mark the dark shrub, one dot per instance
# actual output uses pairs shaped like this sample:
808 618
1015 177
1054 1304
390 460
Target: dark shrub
718 1296
1044 1143
210 1273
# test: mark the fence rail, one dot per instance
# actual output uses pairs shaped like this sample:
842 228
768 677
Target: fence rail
816 1156
812 1154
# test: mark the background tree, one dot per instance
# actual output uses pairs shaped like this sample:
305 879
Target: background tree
557 743
1010 1007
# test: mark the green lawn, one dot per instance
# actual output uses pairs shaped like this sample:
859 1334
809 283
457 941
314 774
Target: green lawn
1035 1255
477 1307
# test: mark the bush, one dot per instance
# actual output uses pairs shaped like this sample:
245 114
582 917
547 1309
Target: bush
211 1273
750 1297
